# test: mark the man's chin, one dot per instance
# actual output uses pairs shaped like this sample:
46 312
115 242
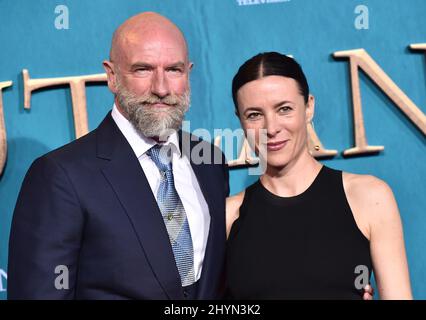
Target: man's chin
159 135
159 106
156 122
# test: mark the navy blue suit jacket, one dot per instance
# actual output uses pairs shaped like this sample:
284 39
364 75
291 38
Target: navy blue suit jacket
88 206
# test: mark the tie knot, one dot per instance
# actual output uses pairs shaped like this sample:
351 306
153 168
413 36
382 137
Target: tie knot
162 156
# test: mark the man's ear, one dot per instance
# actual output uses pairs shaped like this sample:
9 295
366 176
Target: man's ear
191 64
109 69
310 108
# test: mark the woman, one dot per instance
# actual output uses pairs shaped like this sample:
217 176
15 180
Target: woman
304 230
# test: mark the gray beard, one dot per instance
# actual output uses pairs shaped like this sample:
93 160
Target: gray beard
150 121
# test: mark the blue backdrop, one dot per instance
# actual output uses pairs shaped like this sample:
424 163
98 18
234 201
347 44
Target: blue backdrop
221 35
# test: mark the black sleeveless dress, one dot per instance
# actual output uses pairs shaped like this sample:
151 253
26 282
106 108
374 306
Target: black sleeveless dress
302 247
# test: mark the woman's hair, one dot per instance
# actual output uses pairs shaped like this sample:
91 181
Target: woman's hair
269 64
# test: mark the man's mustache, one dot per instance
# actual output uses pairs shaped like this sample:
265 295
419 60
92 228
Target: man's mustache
170 100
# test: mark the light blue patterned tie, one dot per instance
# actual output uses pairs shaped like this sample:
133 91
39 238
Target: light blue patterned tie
174 215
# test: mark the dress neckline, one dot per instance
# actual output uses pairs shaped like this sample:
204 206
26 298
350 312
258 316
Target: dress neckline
276 199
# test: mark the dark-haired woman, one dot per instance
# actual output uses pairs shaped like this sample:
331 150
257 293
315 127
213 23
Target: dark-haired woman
304 230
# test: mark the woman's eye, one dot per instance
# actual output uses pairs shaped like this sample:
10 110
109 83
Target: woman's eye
253 115
285 109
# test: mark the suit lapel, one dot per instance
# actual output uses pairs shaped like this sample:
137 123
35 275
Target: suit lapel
206 283
215 238
131 186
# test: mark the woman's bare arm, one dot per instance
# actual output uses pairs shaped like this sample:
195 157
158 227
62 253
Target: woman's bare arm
375 209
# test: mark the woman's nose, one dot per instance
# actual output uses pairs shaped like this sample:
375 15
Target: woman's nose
272 126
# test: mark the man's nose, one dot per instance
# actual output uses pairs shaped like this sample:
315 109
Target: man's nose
160 86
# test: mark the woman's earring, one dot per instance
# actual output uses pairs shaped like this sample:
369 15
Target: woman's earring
317 147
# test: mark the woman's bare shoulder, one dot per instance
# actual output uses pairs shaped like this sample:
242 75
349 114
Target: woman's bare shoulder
366 187
371 199
234 202
233 205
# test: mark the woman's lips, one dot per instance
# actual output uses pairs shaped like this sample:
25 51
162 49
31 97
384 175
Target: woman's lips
275 146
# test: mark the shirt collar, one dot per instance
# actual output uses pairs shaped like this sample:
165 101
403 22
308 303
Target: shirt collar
138 142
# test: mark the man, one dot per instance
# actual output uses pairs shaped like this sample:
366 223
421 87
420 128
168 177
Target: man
124 212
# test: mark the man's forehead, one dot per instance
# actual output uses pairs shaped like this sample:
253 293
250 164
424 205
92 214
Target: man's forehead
154 50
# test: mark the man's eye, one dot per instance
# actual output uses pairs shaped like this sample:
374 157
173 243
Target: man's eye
142 70
175 70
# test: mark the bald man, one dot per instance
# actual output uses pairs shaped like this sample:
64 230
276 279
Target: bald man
125 212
